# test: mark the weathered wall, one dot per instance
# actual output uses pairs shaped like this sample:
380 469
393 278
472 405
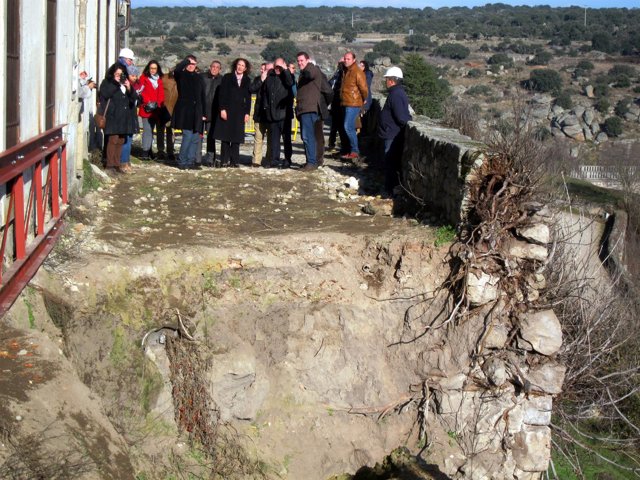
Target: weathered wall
435 166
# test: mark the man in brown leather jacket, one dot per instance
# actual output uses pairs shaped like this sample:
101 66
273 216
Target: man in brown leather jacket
353 93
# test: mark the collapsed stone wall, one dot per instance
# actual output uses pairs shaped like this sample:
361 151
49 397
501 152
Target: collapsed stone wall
491 375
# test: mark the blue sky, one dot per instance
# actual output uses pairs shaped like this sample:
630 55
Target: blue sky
382 3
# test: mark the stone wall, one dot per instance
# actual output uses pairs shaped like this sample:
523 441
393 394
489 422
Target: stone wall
436 165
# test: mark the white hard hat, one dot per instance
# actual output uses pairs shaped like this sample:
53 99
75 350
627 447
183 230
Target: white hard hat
394 72
126 53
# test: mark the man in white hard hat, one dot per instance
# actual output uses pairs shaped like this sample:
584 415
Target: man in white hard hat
126 57
393 117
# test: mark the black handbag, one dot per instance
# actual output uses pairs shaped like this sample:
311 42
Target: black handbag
150 107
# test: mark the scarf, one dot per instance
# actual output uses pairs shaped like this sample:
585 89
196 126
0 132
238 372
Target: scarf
154 80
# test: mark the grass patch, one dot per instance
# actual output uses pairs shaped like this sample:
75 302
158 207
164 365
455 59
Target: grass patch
445 234
28 303
90 181
592 466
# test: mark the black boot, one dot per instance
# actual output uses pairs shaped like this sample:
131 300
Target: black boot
144 155
152 155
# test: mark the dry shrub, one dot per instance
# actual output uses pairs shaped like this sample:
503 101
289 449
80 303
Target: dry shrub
464 117
601 350
219 451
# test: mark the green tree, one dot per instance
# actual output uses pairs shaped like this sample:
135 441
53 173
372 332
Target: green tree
270 32
622 107
500 59
223 48
284 48
385 48
602 42
418 41
427 93
564 100
612 126
455 51
541 58
349 36
544 80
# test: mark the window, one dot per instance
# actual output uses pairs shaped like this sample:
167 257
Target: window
13 73
50 114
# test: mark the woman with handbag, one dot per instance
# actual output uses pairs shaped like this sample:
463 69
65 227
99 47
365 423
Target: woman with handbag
152 102
117 100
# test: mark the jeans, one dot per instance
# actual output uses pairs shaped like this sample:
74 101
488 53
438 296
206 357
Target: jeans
147 133
350 115
190 141
125 154
307 124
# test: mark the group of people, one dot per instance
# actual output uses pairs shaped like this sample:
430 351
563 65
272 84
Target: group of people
215 107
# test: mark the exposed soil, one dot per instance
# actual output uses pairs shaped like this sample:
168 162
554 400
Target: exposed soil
296 301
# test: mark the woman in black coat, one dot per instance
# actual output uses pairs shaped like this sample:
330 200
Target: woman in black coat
118 98
235 106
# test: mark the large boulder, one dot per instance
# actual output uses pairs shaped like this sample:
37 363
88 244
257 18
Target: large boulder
588 91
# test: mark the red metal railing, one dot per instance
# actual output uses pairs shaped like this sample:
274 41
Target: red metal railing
30 233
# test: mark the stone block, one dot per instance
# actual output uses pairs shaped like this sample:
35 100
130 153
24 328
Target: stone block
602 137
573 131
542 330
515 419
495 371
547 378
481 288
578 111
589 116
497 336
532 449
595 128
570 120
533 416
526 251
522 475
538 233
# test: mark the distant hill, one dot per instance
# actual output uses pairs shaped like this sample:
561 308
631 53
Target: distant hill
615 30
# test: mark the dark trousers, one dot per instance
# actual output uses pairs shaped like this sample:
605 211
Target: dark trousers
337 128
230 153
274 132
211 142
392 161
165 132
286 138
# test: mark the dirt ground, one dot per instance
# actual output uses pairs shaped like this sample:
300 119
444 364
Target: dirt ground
295 297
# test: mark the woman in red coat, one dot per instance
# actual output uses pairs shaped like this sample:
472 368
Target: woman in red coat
152 100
